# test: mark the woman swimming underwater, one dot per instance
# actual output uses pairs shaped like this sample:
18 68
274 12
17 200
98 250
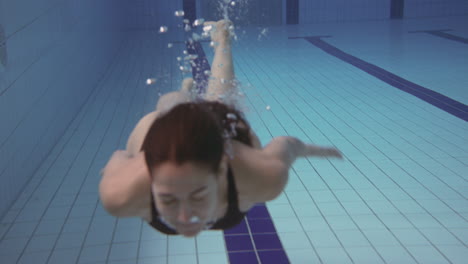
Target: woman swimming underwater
195 165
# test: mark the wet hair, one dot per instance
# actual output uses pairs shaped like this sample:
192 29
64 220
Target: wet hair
194 132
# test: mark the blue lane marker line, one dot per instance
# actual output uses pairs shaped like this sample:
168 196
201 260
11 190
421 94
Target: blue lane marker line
438 100
254 240
441 33
292 12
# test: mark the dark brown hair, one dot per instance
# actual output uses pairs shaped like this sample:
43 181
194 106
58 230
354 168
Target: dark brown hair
194 132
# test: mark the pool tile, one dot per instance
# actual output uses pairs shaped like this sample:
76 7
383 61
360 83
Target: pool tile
258 226
323 238
273 256
123 251
267 242
333 255
179 245
210 244
239 243
60 256
182 259
243 257
410 237
34 257
94 253
297 240
41 243
364 255
395 255
426 254
352 238
152 248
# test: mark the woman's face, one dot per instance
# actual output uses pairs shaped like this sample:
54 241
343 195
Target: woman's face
186 196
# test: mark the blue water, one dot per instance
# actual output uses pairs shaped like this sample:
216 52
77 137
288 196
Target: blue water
400 195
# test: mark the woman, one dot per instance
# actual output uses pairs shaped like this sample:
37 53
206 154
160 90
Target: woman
191 166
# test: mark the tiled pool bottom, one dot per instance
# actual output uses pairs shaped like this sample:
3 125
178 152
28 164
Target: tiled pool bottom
400 195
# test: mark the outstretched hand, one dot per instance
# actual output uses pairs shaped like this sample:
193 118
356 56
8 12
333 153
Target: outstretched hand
332 152
324 152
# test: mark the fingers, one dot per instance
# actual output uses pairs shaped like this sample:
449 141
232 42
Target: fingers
333 152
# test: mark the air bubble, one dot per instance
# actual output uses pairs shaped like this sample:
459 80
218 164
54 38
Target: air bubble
233 3
268 108
207 72
205 34
170 45
198 22
196 37
150 81
179 13
179 58
163 29
207 28
231 116
185 52
188 27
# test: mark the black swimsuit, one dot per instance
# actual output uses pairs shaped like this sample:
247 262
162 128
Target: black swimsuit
232 218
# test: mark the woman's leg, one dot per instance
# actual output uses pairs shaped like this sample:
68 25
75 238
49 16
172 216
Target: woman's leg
184 95
221 84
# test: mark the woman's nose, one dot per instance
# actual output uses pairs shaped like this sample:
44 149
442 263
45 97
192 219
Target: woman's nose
184 214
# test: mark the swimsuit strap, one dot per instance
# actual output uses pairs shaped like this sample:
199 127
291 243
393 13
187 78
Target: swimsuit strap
233 203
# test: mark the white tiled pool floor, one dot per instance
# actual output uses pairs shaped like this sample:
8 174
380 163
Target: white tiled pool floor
399 196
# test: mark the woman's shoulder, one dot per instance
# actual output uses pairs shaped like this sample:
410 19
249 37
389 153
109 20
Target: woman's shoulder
139 132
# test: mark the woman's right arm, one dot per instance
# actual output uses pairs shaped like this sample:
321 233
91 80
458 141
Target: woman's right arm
125 185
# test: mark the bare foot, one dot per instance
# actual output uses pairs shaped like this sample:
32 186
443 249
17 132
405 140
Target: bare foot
220 31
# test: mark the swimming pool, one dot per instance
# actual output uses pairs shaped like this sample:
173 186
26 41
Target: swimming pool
390 94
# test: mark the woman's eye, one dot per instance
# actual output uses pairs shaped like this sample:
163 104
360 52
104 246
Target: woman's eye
168 202
198 198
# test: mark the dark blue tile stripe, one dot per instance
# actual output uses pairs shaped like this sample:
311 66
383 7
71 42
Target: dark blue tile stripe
190 10
263 234
443 102
397 8
292 12
262 231
442 34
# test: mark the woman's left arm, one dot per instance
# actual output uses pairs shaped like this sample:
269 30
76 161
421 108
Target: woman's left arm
268 168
